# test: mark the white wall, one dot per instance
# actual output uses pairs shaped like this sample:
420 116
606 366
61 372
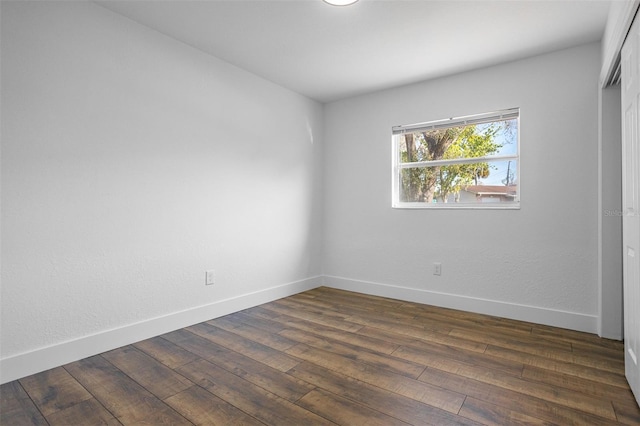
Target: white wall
538 263
131 163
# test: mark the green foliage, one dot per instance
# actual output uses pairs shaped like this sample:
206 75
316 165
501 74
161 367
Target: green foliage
426 183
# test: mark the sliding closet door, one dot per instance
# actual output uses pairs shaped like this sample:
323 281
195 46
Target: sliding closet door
630 58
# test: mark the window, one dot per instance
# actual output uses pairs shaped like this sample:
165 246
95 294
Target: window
470 162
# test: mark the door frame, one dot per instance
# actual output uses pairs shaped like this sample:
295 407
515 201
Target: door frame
610 302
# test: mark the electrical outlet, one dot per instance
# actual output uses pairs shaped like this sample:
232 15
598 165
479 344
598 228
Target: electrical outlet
210 277
437 268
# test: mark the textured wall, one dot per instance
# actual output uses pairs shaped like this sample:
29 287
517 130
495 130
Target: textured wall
131 163
543 255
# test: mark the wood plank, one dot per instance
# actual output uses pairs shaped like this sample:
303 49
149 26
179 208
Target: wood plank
54 390
203 408
427 313
575 337
166 352
348 310
433 332
598 351
413 328
400 339
273 358
387 362
412 335
306 294
249 369
252 399
628 414
261 313
490 414
122 396
496 328
16 408
154 376
271 379
402 385
445 358
314 306
272 340
319 318
538 390
539 349
246 317
535 407
344 411
508 341
199 346
376 302
596 375
385 401
578 384
286 322
88 412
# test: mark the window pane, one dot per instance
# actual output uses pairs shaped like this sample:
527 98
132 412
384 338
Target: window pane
492 181
481 140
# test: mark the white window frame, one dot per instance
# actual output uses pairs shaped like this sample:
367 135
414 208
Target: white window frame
397 165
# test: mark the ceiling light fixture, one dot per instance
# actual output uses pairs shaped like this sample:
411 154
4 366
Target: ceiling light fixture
340 2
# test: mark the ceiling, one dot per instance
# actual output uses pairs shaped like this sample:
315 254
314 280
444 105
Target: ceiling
328 53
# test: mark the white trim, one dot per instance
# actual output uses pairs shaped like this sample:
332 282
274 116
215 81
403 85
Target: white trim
508 205
621 17
452 161
18 366
502 115
32 362
551 317
599 325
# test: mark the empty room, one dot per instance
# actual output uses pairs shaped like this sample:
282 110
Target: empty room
296 212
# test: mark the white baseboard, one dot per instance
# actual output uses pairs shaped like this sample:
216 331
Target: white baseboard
18 366
563 319
28 363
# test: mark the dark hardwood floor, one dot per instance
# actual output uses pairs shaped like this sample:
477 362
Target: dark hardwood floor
328 356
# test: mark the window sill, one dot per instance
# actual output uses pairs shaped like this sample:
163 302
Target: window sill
456 206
